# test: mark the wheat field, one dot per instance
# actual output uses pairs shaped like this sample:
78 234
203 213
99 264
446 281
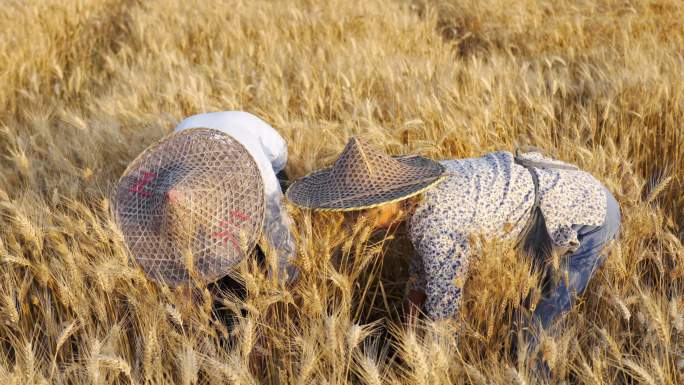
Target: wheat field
85 85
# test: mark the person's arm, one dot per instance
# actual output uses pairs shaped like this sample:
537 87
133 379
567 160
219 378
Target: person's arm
277 234
445 257
271 152
277 153
416 274
416 294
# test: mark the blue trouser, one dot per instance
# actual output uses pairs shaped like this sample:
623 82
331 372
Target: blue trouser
580 266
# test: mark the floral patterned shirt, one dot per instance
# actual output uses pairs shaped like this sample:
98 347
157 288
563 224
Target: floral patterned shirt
492 196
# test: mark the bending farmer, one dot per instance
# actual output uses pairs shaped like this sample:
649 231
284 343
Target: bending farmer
544 203
196 203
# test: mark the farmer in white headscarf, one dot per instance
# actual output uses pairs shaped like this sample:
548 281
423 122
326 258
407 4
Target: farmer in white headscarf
269 150
199 201
545 204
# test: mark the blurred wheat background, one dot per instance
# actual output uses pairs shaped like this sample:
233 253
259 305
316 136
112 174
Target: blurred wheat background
85 85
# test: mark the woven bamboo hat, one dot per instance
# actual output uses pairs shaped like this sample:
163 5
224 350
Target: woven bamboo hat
191 205
363 177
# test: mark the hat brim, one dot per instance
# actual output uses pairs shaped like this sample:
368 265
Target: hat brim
306 192
224 200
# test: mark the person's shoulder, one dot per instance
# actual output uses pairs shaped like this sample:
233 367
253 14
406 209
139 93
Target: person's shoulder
242 116
471 164
227 117
256 125
500 155
215 120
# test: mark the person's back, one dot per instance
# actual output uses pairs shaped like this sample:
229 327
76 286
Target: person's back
496 193
262 141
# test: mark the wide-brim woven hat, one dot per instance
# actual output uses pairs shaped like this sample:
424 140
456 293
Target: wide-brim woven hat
191 206
363 177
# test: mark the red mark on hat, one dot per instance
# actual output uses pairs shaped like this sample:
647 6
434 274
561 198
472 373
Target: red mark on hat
144 180
226 235
239 215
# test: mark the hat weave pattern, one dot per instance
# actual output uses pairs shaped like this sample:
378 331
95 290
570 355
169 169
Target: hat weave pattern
363 177
191 205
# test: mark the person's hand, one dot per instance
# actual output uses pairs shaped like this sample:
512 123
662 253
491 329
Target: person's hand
413 303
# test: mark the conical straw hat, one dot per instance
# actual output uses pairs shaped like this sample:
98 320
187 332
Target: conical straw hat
191 205
363 177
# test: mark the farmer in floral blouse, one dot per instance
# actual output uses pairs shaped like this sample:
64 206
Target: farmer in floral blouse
543 204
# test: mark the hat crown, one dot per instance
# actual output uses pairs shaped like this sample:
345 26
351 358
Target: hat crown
176 220
361 161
